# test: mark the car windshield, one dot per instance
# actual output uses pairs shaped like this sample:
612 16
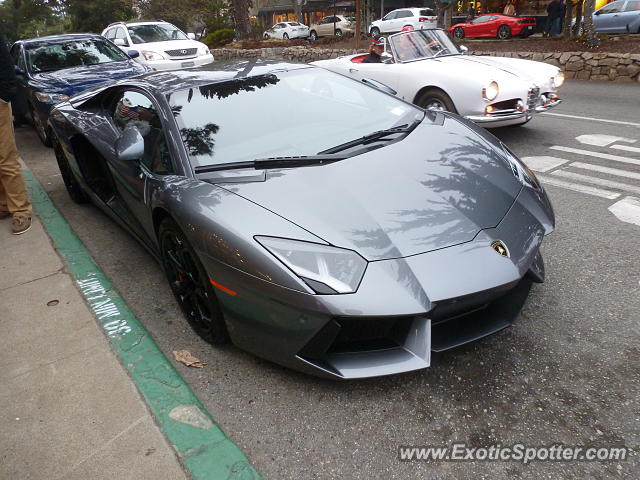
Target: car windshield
421 44
155 32
48 57
291 113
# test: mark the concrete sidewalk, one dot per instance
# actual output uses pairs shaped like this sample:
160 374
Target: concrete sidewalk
68 409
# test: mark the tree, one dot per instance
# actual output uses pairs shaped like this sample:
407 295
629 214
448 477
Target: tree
589 28
30 18
240 12
94 16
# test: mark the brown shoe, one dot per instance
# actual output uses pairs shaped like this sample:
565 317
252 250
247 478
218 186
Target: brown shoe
4 214
20 225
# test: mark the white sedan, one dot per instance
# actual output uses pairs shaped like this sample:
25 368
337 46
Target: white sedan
424 67
287 30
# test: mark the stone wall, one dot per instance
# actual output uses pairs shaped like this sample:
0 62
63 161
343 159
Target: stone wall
619 67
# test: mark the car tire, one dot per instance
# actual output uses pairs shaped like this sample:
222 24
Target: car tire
435 99
313 36
70 182
338 32
41 129
504 32
190 284
285 36
458 32
375 31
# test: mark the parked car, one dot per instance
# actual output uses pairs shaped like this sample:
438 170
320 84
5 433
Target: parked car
407 18
622 16
162 46
495 25
51 69
381 233
425 67
337 25
287 30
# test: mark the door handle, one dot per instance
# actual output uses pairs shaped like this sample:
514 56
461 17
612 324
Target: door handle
353 70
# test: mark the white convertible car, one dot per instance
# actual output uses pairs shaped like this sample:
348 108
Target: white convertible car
426 68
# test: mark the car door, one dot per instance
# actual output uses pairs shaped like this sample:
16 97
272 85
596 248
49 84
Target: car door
19 105
386 25
477 26
630 17
606 18
490 27
135 180
403 18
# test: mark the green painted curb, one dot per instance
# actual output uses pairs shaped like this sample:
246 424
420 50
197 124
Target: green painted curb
202 446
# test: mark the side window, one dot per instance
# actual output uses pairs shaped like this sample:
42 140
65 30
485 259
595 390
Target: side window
482 19
404 14
18 58
390 16
122 35
134 109
109 34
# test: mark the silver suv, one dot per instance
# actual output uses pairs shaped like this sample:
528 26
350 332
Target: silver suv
325 27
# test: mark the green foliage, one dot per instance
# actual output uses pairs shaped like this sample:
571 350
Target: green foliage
220 37
29 18
94 16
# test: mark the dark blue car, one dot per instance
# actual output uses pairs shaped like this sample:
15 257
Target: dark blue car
52 69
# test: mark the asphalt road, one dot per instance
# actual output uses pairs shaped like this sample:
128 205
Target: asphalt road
566 372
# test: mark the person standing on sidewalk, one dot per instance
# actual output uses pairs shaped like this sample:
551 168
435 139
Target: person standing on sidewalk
554 13
14 200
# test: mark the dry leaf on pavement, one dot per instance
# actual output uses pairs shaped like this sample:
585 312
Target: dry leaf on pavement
184 356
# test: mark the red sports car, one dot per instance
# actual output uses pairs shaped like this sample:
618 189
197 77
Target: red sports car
494 25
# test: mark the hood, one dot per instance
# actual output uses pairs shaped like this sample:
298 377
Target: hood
436 188
524 69
70 81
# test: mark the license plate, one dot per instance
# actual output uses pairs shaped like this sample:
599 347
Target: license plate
187 64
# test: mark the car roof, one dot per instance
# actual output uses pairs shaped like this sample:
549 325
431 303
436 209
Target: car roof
60 38
168 82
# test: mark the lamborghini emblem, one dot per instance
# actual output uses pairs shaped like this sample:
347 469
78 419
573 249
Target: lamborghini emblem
501 248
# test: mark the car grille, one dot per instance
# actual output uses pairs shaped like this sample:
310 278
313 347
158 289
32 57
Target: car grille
533 98
184 52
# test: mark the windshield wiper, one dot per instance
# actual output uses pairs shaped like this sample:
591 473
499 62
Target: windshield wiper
274 162
379 135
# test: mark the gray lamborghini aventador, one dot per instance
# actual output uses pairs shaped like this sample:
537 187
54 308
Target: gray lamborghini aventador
313 220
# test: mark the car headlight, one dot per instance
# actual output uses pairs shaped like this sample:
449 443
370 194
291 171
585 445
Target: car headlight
490 92
51 98
558 80
152 56
326 269
204 51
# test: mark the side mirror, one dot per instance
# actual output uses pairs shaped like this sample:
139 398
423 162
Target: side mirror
191 36
379 86
120 42
463 50
597 12
130 145
133 53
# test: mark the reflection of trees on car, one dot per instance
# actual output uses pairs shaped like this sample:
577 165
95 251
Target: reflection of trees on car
199 140
232 87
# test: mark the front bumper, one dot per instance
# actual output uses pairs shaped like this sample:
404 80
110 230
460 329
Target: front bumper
178 64
404 308
506 117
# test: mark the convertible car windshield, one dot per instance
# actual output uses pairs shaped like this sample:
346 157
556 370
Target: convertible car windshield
48 57
420 44
287 113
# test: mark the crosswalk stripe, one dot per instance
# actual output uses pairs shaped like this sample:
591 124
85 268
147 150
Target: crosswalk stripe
597 181
626 148
604 156
576 187
627 210
544 163
604 120
610 171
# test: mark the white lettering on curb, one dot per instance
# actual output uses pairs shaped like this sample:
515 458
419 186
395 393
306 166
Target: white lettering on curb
103 306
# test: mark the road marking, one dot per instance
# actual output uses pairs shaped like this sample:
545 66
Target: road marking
597 181
576 187
610 171
604 156
626 148
543 164
603 120
600 140
627 210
